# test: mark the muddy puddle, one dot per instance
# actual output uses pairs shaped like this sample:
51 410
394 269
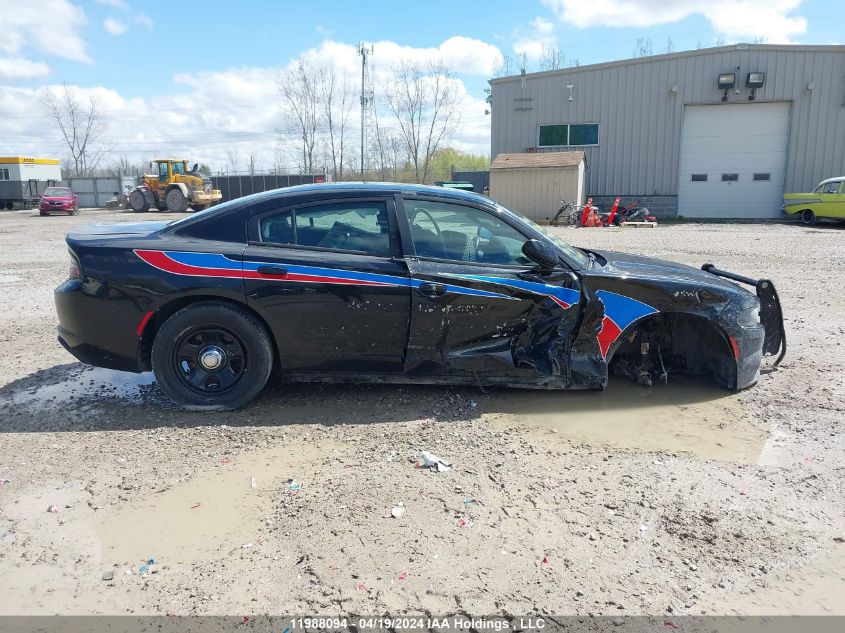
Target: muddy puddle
84 384
685 416
215 513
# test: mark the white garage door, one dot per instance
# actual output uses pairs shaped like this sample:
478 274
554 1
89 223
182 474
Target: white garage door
733 160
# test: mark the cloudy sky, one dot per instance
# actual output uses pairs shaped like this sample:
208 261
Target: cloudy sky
198 78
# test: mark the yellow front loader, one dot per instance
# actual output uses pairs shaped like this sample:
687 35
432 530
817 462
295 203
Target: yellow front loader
174 188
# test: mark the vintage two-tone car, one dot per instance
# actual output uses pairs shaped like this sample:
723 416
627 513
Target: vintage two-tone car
395 283
827 201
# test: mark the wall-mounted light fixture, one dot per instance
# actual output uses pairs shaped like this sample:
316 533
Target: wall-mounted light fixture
726 82
811 85
570 86
674 89
754 81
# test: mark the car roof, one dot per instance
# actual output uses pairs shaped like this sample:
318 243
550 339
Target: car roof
837 179
365 188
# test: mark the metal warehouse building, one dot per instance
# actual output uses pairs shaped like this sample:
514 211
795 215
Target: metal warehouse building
718 132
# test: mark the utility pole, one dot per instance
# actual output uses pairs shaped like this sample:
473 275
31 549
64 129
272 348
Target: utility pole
367 99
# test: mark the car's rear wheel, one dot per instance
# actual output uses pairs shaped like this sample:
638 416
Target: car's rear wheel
808 217
212 356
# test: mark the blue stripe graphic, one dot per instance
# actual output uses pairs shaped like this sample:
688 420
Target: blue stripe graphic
623 310
566 295
217 260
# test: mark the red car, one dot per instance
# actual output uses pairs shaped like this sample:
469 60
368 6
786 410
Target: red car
59 199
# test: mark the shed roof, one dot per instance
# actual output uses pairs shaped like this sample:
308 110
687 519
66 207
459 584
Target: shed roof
535 160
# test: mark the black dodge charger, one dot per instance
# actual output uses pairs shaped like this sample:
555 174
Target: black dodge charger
395 283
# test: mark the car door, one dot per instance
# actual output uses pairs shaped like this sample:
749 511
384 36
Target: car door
838 202
830 200
328 277
479 307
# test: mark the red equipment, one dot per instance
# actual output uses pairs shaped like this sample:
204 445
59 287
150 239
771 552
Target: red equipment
613 211
587 208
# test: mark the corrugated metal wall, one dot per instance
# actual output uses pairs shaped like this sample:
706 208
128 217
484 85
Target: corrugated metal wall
535 192
96 191
640 117
238 186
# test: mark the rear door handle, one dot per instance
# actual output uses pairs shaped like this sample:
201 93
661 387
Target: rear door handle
275 271
432 289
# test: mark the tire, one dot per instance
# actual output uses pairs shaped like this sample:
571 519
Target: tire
138 201
176 201
42 213
220 332
808 217
75 210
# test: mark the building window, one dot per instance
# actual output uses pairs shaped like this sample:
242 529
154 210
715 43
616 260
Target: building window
551 135
699 178
730 177
569 135
762 177
4 174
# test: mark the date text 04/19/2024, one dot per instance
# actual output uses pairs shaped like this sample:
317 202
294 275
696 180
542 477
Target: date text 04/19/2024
417 623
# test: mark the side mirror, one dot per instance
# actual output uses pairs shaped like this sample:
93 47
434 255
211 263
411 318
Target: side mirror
542 253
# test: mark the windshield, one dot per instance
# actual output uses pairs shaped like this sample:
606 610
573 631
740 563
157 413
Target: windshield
574 254
57 191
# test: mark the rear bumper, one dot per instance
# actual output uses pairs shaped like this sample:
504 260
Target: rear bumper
82 330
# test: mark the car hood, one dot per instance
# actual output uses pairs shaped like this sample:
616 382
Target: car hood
118 228
660 270
56 199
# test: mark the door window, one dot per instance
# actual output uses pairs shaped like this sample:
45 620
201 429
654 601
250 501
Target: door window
354 226
463 234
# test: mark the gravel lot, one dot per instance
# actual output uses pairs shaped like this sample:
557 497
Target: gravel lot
682 499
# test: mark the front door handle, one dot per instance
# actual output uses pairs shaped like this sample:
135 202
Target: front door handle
275 271
432 289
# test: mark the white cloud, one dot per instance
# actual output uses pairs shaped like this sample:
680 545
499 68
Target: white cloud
20 68
732 18
145 21
540 40
208 113
113 26
23 27
464 54
117 4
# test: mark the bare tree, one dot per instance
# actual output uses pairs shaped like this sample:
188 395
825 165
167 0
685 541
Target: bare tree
125 167
234 159
670 45
299 89
506 68
644 47
251 163
80 124
424 101
337 96
551 59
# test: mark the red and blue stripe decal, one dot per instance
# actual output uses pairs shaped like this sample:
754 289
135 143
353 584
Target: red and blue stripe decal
619 312
218 265
564 297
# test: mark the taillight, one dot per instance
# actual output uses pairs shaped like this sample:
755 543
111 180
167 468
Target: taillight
74 271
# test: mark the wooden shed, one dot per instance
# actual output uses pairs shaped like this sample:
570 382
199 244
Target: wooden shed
534 183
